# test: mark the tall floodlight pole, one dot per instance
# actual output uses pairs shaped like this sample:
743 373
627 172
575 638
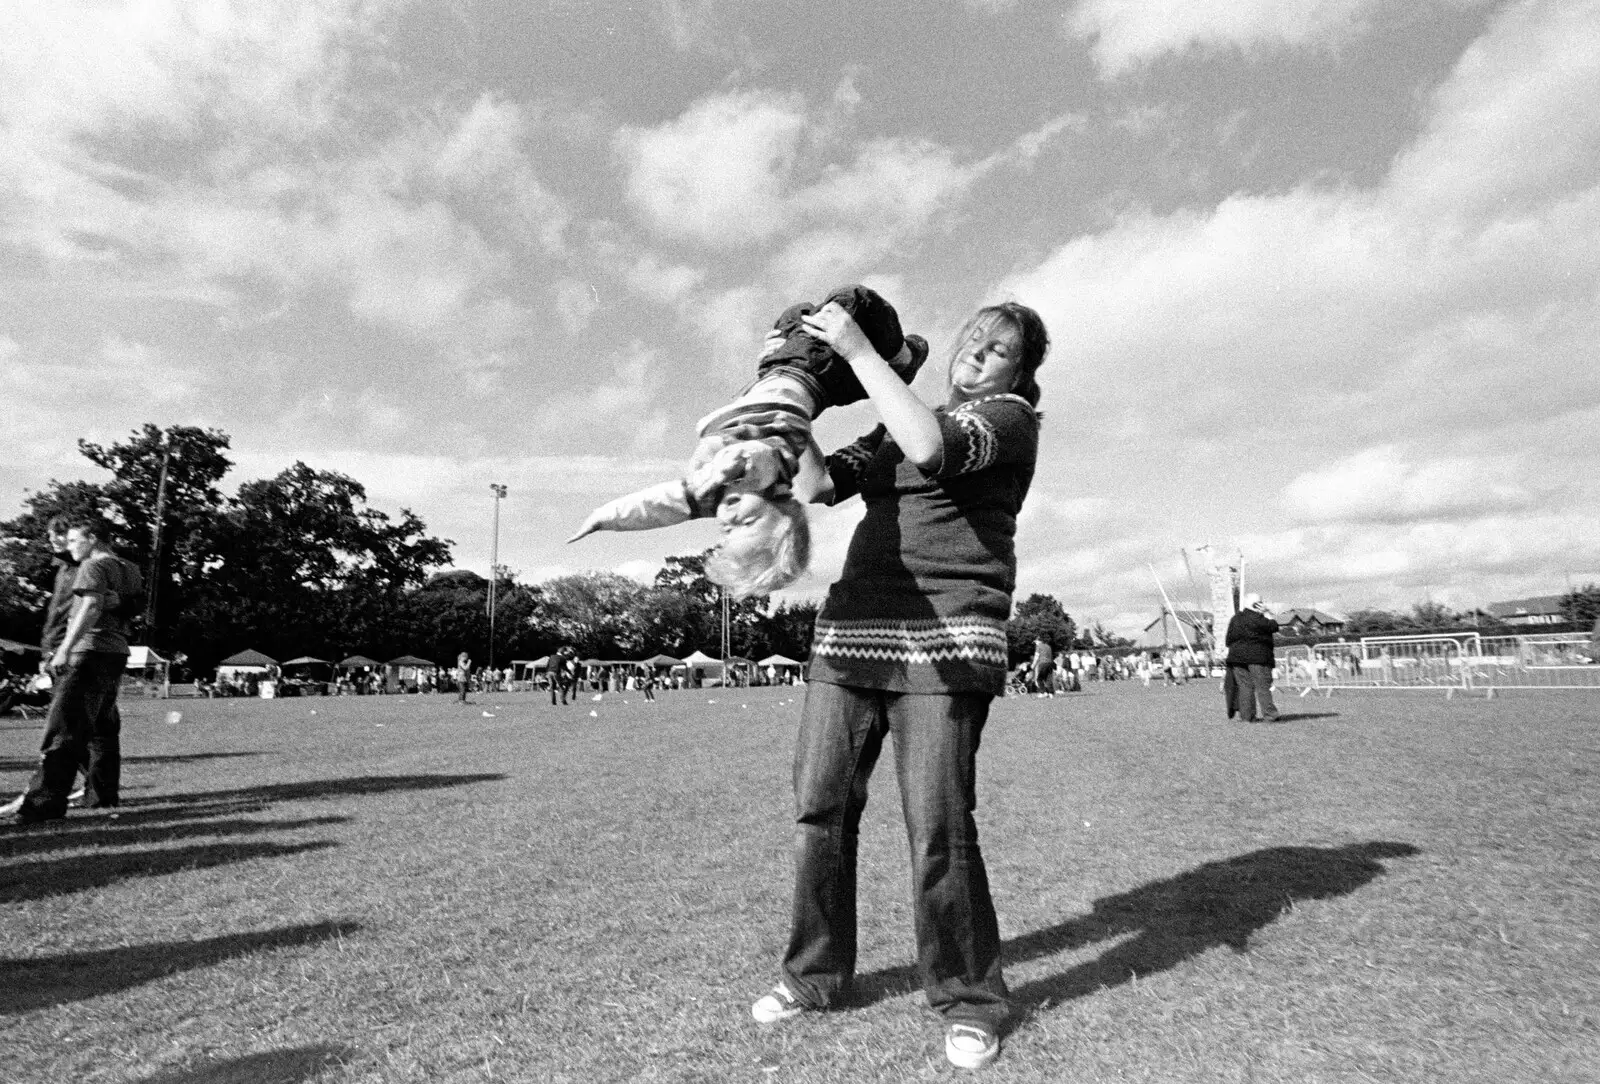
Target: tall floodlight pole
494 565
153 581
722 594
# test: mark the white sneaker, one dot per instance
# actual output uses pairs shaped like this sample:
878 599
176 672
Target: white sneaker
780 1004
12 806
969 1046
76 797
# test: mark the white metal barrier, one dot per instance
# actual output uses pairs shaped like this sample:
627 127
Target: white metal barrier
1446 661
1541 661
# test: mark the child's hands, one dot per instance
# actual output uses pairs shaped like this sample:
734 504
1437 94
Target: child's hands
771 344
766 463
838 329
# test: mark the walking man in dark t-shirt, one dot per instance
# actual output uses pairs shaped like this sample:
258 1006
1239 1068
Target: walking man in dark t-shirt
86 667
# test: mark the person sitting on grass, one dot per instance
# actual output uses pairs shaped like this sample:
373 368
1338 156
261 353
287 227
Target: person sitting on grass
755 463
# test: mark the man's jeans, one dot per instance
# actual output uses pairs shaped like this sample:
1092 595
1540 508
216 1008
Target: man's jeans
1255 685
935 751
82 723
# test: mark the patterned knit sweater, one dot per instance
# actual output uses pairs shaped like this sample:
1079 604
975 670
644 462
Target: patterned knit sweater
922 603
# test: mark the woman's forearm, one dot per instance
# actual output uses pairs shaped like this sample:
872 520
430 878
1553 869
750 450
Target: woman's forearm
908 419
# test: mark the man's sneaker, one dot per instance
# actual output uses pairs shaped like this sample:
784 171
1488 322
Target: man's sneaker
13 806
969 1046
780 1004
76 797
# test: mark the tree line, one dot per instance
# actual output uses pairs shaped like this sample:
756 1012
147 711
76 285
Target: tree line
1579 608
300 564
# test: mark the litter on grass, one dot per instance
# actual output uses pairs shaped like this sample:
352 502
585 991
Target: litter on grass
174 717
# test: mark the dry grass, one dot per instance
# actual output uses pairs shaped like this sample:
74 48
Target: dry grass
401 889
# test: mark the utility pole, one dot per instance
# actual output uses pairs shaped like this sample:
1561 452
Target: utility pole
494 565
153 581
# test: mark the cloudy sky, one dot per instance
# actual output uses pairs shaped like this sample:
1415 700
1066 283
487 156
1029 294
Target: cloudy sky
1323 276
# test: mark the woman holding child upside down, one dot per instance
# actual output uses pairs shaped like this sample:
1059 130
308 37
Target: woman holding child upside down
911 643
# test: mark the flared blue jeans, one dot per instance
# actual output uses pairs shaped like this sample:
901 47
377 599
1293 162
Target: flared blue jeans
935 753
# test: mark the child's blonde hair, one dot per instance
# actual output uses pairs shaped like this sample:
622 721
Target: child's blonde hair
765 555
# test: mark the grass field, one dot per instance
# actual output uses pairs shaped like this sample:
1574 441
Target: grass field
1385 888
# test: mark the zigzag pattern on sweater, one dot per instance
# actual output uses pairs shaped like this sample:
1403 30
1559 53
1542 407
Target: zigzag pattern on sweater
913 641
983 445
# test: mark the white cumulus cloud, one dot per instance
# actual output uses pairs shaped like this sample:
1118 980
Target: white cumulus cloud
1127 33
1380 484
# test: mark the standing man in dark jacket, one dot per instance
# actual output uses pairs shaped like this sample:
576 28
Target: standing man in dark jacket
1250 661
86 668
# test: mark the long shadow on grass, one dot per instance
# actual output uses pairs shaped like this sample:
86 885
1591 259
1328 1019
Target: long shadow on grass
1219 903
42 981
43 879
272 1067
128 831
185 758
251 799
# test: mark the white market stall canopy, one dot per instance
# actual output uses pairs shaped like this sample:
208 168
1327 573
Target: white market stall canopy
141 657
245 662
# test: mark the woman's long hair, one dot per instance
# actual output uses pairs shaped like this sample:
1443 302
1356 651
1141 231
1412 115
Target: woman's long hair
1035 342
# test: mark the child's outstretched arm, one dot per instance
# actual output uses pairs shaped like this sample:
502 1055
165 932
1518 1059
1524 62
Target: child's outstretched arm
662 505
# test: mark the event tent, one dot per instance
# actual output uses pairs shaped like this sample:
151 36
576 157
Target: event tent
358 662
659 661
141 657
250 661
779 661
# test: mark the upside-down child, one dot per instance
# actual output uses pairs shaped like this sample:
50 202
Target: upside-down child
755 465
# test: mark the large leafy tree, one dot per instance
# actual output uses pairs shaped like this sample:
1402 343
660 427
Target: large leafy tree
449 614
304 566
1038 617
195 461
695 604
596 612
26 568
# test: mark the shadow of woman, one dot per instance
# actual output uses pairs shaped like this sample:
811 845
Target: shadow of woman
1219 903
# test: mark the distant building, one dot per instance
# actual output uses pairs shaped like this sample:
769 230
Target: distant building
1539 610
1308 623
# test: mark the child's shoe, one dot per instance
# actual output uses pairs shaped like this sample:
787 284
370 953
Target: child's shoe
910 358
